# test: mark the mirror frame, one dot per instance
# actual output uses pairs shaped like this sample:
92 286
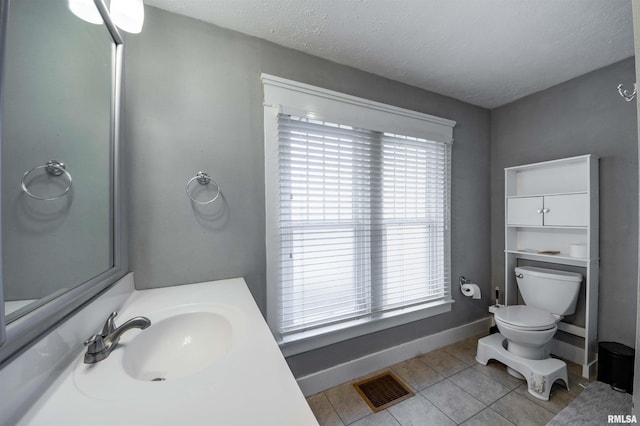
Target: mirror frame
51 311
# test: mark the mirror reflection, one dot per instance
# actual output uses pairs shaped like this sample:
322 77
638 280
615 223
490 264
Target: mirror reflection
56 153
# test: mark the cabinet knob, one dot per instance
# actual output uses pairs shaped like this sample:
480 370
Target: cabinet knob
539 211
545 210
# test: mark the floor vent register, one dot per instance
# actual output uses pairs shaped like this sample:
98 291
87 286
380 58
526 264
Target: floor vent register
383 391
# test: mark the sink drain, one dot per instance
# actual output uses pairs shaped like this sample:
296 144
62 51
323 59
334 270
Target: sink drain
158 379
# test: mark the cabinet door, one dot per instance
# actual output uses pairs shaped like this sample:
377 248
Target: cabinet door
566 210
524 211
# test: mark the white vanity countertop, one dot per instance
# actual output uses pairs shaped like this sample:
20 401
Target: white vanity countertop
250 385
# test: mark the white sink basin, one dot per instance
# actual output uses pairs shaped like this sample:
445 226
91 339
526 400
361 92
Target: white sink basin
184 347
177 346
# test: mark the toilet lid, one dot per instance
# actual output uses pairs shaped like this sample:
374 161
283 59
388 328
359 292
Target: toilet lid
526 317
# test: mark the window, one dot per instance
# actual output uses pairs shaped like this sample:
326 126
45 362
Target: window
358 225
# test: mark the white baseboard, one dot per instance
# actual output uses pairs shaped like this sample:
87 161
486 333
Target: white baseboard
325 379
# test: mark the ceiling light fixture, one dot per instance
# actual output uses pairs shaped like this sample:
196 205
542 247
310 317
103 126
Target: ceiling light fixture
85 10
127 15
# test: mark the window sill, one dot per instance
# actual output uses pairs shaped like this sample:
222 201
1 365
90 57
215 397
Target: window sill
317 338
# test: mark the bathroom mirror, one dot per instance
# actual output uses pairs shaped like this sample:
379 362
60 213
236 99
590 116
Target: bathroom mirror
61 230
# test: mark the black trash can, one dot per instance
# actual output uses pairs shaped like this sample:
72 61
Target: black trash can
615 365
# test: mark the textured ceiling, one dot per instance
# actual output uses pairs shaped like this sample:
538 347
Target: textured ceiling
485 52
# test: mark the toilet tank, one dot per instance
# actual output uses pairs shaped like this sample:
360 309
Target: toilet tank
548 289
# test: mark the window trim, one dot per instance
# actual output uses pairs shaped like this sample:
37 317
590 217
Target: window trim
291 97
304 100
335 333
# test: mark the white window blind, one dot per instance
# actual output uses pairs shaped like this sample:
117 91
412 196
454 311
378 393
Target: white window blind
363 223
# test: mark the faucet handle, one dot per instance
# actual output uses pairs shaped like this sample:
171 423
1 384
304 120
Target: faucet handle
95 343
97 349
109 325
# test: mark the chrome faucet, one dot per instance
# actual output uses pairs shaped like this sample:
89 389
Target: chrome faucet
99 346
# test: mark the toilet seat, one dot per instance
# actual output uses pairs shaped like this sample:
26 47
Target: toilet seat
526 318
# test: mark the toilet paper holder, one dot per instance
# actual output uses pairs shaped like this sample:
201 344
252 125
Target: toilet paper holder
469 288
462 280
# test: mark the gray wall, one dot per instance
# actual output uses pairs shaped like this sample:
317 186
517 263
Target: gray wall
582 116
194 102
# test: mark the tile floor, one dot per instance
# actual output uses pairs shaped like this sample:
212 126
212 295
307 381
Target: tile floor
450 388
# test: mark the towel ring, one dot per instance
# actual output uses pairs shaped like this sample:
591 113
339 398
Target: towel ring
202 178
626 94
53 168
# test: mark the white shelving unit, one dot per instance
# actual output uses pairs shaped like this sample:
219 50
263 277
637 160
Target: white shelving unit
549 206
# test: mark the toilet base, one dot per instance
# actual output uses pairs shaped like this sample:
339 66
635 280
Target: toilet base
540 374
515 374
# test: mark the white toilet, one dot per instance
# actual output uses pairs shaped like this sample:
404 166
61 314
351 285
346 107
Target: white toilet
523 343
548 295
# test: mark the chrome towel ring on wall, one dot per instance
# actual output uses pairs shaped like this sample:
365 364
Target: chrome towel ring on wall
626 94
202 178
53 168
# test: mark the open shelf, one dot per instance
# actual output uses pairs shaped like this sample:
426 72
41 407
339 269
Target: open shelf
565 176
561 258
547 194
547 227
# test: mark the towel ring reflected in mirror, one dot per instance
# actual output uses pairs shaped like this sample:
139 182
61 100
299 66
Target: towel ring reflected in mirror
53 168
202 178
